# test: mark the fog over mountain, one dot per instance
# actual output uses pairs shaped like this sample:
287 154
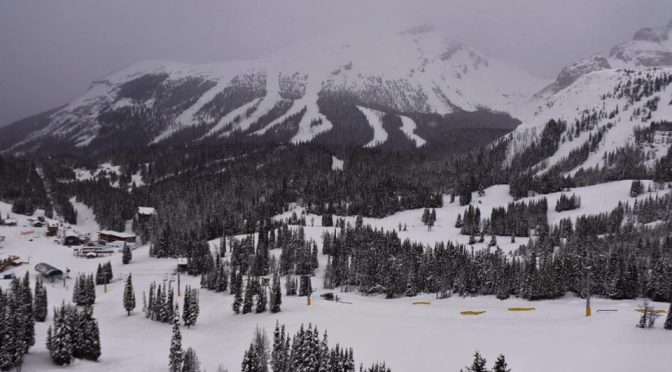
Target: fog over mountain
52 51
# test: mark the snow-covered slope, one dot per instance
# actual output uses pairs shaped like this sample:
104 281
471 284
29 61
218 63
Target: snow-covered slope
604 101
420 71
603 110
408 127
375 119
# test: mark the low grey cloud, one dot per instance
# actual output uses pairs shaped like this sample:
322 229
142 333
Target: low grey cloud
51 50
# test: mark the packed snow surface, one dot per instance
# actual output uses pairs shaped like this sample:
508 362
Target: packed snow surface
408 128
336 163
375 119
593 93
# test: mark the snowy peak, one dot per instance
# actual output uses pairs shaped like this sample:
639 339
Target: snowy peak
650 47
570 74
607 107
654 35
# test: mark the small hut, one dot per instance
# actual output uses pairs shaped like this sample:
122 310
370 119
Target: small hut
52 227
145 214
182 264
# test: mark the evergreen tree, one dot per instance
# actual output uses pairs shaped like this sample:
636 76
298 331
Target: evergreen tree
668 320
262 300
291 286
458 223
129 296
27 313
478 365
327 220
190 309
425 216
126 255
90 290
305 288
376 367
190 363
280 351
60 344
77 295
251 361
500 365
481 189
237 296
249 296
175 356
260 343
90 335
40 300
49 341
636 188
100 276
276 294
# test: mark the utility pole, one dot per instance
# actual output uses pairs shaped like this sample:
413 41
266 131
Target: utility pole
589 311
178 285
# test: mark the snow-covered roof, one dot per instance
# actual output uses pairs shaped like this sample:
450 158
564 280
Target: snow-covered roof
116 234
69 233
182 261
146 211
48 270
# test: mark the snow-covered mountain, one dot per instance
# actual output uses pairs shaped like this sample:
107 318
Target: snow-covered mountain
649 47
609 104
294 96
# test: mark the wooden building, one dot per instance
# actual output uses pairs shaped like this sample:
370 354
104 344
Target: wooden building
116 236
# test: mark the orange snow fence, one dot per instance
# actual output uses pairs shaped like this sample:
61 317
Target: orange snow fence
422 303
655 311
29 232
472 312
521 309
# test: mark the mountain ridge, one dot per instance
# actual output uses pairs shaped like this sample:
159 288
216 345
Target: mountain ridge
283 97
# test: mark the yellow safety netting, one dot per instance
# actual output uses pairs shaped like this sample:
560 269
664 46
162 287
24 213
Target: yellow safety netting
472 312
522 309
656 311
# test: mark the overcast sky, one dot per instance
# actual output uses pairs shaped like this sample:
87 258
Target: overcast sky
50 50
